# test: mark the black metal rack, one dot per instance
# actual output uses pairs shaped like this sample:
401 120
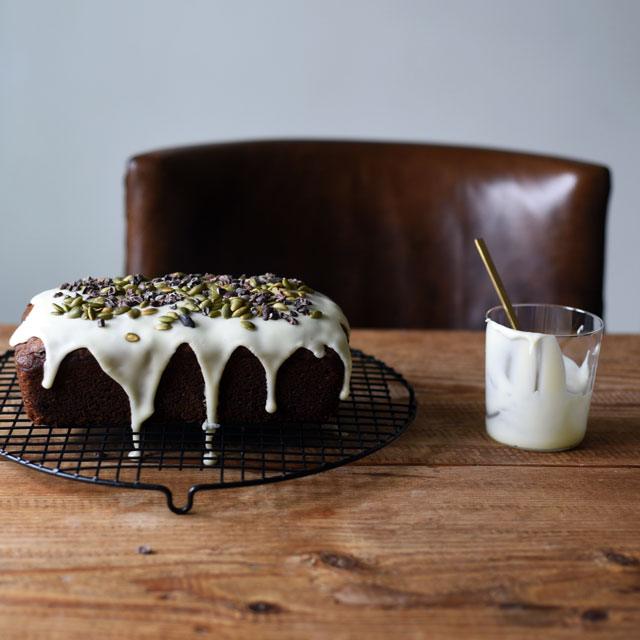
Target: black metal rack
381 406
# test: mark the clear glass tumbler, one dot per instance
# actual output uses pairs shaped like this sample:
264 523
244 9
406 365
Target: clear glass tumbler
539 380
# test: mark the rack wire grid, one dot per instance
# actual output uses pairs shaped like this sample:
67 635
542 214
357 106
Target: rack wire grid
380 407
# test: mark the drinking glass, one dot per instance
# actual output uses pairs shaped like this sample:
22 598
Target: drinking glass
539 379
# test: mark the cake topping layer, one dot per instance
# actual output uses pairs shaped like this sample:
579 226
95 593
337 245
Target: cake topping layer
265 297
134 325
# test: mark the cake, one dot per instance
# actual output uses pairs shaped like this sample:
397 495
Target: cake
181 348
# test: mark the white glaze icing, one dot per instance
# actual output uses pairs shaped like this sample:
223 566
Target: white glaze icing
138 366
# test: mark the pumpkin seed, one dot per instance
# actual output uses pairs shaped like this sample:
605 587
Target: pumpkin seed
76 312
184 311
226 310
57 313
316 314
132 337
166 319
105 315
91 313
149 312
144 304
248 325
236 303
246 316
194 290
162 326
122 309
280 306
58 308
133 313
77 302
287 284
239 312
214 314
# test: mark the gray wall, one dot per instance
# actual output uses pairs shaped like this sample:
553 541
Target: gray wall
87 83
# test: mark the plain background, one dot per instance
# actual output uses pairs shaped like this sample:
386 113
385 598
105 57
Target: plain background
88 83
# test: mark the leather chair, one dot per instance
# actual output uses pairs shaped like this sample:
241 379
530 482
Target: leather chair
385 229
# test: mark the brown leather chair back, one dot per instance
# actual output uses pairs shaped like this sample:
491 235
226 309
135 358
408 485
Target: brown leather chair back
385 229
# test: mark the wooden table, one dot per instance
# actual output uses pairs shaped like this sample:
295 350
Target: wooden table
443 533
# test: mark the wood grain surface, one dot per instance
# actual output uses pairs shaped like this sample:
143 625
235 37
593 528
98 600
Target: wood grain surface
442 534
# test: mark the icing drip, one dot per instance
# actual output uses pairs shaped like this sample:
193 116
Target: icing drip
138 366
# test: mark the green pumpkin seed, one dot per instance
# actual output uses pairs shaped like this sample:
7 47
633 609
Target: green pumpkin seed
76 303
287 284
191 305
226 310
91 314
58 308
246 316
166 289
214 314
166 319
57 313
76 312
162 326
133 313
122 309
84 315
144 304
194 290
184 310
240 311
316 314
149 312
248 325
132 337
105 315
172 314
236 303
206 304
281 306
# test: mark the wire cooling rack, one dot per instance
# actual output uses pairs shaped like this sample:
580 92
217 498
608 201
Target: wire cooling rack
381 406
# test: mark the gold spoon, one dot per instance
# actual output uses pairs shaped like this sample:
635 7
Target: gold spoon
497 282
